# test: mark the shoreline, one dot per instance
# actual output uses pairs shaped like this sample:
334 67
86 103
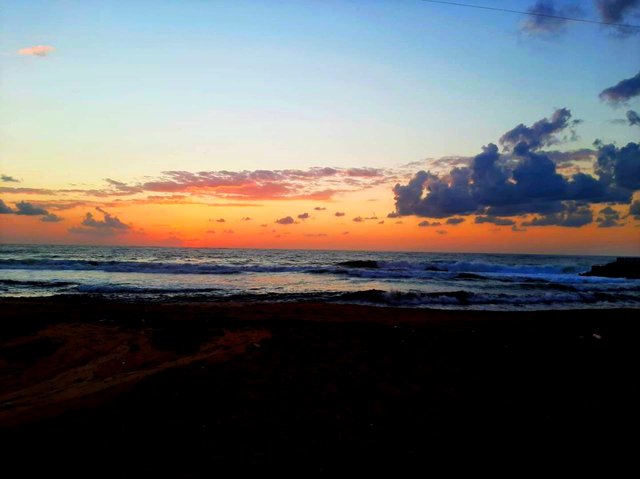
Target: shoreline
303 382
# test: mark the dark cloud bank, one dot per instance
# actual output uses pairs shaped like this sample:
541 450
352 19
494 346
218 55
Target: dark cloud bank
522 180
24 208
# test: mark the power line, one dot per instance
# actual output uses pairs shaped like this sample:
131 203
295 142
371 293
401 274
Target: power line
507 10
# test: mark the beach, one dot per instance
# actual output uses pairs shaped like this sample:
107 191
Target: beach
179 389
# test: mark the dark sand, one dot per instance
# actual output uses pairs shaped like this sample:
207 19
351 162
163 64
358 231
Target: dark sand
96 388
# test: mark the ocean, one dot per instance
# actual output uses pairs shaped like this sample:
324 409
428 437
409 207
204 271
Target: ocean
400 279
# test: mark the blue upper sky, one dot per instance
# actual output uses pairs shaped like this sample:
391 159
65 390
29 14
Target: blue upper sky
147 86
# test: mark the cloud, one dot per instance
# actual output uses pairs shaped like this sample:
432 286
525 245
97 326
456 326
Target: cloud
9 179
24 208
494 220
316 235
425 224
51 218
245 218
121 187
441 232
4 209
541 133
573 215
544 18
314 183
608 217
522 182
620 166
623 91
287 220
107 226
634 209
358 219
455 221
27 209
27 191
339 213
365 172
566 159
319 184
633 118
36 50
219 220
617 11
319 208
303 216
219 205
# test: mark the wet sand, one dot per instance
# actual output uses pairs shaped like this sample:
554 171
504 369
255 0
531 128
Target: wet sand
188 389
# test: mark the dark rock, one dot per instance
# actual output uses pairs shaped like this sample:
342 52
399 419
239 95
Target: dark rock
360 264
620 268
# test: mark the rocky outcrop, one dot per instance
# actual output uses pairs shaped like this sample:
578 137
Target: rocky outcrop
620 268
359 264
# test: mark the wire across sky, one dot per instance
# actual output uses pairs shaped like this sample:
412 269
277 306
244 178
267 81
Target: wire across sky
534 14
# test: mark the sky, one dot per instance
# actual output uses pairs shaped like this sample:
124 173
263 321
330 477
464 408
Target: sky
382 125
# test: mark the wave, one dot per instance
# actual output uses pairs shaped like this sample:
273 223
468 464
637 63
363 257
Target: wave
34 284
127 289
447 299
367 269
465 298
479 267
140 267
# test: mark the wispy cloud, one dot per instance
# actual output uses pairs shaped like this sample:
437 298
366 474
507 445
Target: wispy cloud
494 220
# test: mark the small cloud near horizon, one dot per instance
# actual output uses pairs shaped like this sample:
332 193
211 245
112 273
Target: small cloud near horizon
51 218
36 51
287 220
107 226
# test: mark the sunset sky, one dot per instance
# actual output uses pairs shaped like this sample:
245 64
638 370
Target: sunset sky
383 125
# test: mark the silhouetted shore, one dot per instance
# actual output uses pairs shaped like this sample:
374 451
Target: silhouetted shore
188 389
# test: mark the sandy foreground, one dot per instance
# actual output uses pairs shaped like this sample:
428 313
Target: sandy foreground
184 389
